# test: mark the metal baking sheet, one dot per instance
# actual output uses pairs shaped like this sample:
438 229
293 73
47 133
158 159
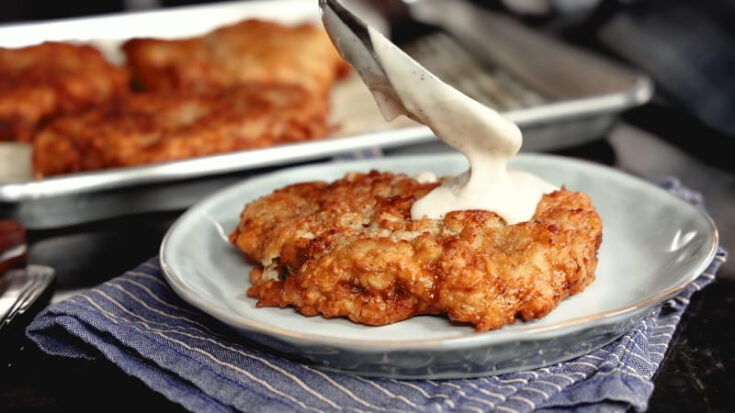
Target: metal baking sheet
574 97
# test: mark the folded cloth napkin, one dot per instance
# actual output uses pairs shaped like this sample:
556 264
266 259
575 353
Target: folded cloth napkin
139 324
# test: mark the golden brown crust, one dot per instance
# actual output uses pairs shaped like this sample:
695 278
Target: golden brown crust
350 249
50 79
249 51
148 128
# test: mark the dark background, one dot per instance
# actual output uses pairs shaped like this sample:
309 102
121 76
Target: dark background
686 131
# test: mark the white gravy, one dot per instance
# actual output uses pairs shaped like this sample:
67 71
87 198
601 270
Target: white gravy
486 138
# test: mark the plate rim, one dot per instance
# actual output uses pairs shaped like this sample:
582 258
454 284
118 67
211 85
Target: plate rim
528 332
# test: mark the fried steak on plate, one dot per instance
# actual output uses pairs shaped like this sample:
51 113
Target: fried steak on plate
350 249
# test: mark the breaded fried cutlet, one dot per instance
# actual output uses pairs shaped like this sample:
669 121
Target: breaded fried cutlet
51 79
149 128
249 51
350 249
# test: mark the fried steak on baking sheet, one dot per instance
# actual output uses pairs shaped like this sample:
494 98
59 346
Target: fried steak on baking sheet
249 85
249 51
156 127
50 79
350 249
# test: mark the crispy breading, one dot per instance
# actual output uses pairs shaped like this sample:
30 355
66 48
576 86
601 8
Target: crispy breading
50 79
350 249
249 51
149 128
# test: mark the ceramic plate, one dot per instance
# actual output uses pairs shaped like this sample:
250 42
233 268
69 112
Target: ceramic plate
653 245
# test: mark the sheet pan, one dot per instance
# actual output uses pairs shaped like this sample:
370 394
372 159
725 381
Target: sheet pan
582 96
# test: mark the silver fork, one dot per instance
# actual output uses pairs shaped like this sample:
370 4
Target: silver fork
24 286
19 287
451 62
444 56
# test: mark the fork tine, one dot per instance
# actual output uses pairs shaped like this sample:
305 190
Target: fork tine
13 278
38 279
45 277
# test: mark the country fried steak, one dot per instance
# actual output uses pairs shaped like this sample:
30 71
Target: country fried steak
249 85
249 51
51 79
350 249
157 127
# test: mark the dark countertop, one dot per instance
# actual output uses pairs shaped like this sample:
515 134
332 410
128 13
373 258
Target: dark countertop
698 373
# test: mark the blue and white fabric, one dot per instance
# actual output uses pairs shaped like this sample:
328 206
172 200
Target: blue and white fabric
136 322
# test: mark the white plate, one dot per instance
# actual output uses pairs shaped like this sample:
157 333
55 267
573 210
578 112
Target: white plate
653 245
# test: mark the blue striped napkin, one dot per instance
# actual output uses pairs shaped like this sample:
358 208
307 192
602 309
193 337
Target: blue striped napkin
138 323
